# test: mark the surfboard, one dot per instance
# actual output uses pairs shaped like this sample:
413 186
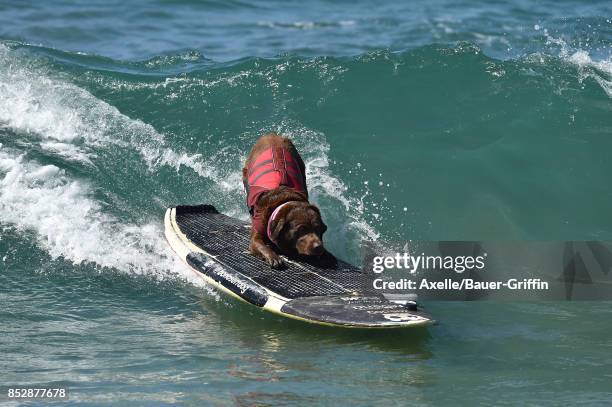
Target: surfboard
215 247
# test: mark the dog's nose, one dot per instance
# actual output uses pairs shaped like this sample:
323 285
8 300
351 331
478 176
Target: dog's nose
317 248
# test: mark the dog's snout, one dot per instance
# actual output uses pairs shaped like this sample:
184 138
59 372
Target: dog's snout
317 248
310 245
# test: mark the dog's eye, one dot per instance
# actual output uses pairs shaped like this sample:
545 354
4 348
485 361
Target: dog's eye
293 232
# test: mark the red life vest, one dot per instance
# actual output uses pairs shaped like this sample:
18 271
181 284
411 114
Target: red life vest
272 168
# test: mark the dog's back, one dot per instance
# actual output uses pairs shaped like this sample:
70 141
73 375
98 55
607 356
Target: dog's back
272 141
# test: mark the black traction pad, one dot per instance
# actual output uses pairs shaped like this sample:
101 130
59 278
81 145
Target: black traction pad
334 292
227 239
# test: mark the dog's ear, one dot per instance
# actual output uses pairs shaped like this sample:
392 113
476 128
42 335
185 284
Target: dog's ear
278 228
323 226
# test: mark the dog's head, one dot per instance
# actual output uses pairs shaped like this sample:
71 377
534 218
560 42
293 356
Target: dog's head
299 228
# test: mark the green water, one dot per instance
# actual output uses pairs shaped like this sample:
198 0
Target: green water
434 120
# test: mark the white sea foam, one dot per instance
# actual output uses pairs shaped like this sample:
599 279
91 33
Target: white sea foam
178 84
70 224
72 123
68 151
44 108
306 25
600 71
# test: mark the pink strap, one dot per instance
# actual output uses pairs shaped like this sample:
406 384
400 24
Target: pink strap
272 217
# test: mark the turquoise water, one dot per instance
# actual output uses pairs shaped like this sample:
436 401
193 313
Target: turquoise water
435 120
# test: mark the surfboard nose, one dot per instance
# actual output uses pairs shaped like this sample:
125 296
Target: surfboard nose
365 311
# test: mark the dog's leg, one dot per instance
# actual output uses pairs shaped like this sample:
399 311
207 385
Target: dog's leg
259 248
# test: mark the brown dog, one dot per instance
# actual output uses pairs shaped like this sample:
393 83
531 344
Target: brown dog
274 178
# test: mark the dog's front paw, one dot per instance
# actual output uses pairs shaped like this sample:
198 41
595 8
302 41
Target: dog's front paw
275 261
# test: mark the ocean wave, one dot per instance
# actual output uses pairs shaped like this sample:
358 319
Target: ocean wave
70 224
71 121
199 121
40 107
